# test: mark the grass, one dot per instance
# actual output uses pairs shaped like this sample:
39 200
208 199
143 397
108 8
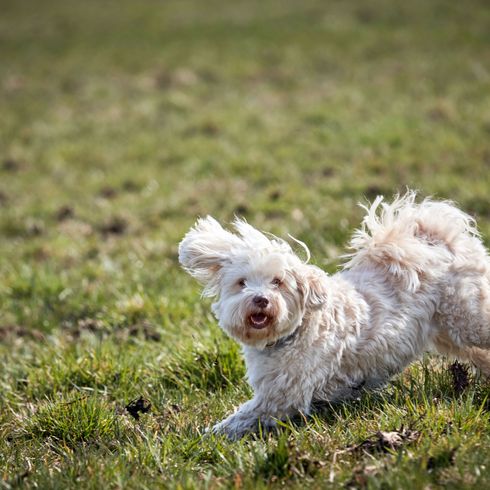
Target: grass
124 121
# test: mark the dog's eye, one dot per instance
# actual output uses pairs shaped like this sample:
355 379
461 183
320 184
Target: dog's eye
241 283
276 281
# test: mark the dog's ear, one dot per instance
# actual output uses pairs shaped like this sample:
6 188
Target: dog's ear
204 250
312 285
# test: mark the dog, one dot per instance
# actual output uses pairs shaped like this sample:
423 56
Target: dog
417 279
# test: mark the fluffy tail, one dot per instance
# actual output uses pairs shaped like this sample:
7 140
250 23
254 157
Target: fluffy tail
409 239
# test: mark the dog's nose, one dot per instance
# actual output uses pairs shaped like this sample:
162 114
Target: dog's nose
260 301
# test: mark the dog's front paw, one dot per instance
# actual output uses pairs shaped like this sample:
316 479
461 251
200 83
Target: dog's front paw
233 429
238 425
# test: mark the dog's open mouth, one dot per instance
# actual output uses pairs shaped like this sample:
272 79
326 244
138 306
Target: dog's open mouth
259 320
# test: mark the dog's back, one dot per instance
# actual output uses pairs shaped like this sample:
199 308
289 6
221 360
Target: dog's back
433 251
412 240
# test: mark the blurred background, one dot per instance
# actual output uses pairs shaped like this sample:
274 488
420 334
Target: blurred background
122 121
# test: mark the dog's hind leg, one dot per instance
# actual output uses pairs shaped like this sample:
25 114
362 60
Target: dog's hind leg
477 356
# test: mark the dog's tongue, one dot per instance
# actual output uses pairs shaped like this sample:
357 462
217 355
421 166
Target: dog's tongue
258 320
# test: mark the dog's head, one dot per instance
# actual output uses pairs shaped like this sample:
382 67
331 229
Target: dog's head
263 289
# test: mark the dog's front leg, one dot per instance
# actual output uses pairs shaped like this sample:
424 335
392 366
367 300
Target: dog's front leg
261 409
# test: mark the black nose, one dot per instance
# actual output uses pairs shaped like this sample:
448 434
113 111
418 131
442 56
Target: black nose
260 301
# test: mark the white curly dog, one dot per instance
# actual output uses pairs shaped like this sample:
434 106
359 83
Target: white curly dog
417 279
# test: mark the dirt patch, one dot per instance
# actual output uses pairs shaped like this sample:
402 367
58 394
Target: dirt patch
91 325
442 459
144 329
34 227
460 375
12 165
13 331
114 226
328 172
64 213
3 198
275 195
208 129
108 192
373 191
241 209
131 186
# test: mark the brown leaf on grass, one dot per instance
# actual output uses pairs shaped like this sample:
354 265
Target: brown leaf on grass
460 376
386 441
381 442
140 405
238 481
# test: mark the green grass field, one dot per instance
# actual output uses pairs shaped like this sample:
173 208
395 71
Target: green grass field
120 123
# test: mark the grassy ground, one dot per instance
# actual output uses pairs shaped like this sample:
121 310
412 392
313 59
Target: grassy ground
121 122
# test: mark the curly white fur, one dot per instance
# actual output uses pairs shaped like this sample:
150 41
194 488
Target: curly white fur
417 279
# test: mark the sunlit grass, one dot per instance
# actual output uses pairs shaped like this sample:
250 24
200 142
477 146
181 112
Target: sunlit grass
122 123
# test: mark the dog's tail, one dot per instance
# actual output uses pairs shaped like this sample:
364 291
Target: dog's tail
409 239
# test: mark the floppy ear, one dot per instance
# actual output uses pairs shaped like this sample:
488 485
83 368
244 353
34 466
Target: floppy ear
312 284
204 250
